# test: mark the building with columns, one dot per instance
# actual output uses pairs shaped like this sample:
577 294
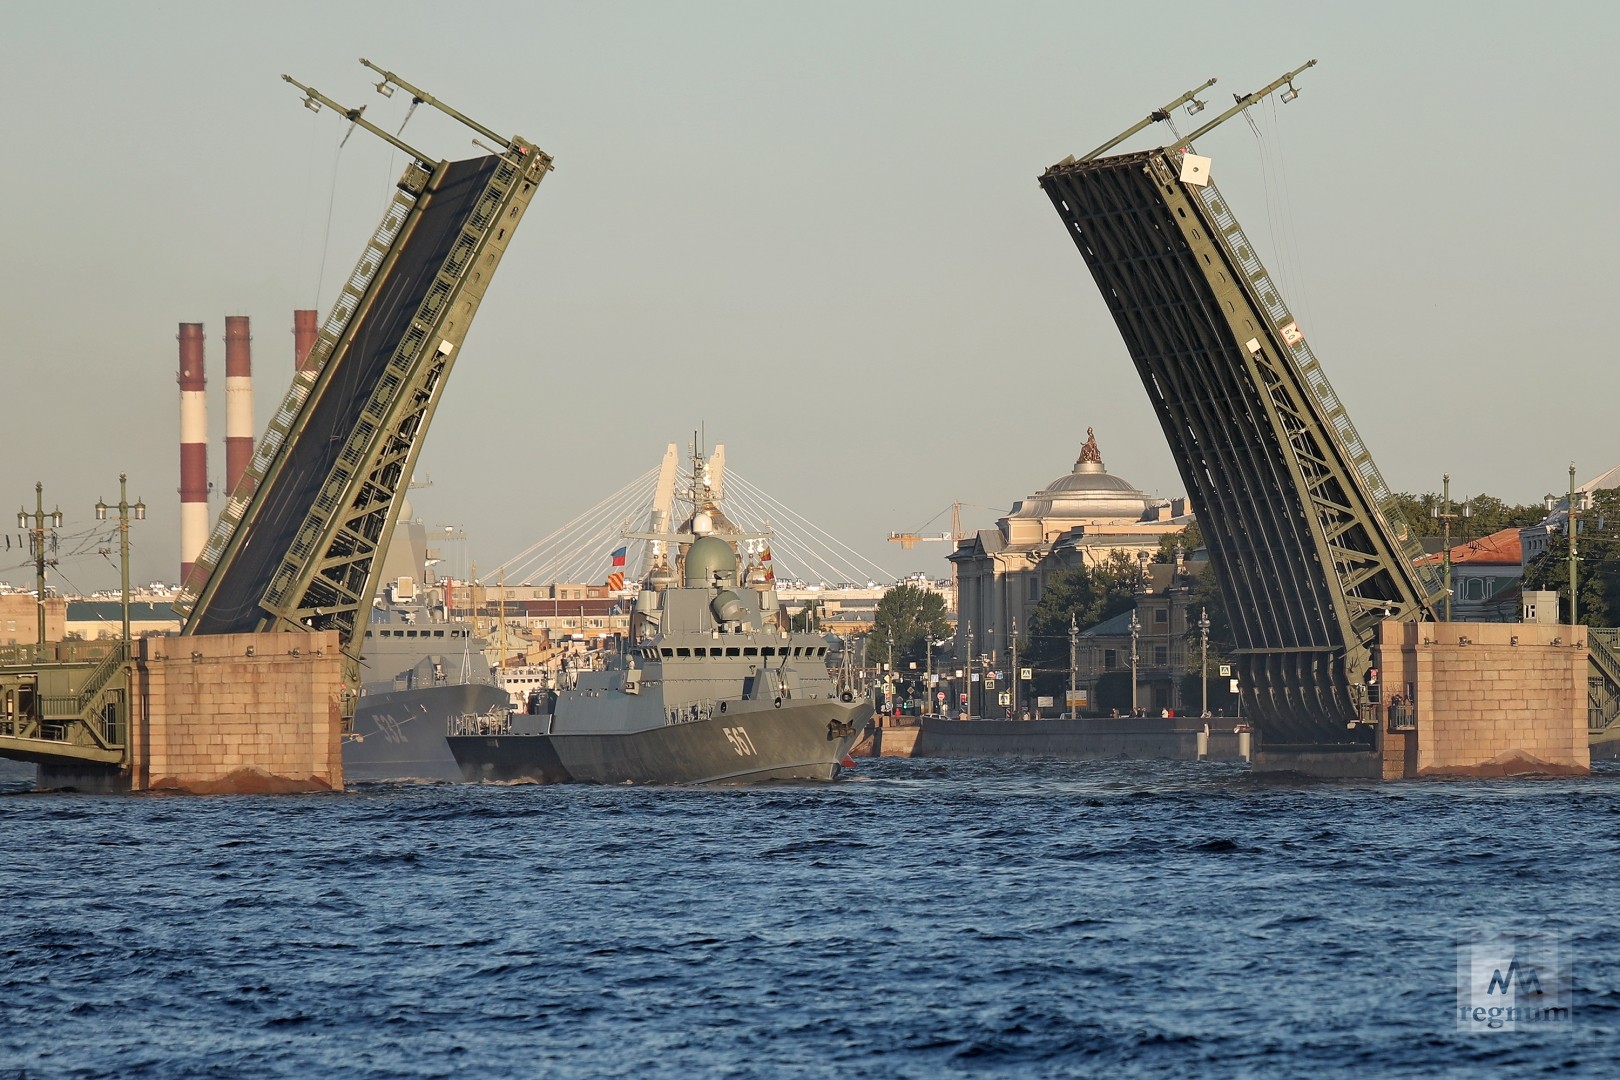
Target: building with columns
1079 519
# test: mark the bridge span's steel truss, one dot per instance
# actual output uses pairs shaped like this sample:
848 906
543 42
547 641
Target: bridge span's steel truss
1299 524
298 546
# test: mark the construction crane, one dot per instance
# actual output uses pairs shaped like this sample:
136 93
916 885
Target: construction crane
909 540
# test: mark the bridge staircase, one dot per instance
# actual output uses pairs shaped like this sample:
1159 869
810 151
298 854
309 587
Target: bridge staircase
1603 684
64 702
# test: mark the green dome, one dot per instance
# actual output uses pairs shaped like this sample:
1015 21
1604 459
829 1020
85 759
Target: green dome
707 555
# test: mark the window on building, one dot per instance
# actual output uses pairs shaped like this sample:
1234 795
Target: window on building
1160 615
1110 659
1161 655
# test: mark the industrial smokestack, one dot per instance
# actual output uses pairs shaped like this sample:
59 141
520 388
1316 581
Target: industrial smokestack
238 399
305 331
193 449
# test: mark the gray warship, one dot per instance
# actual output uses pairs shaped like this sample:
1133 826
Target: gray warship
420 668
711 688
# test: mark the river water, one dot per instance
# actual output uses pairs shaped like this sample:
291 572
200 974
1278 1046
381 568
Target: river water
922 919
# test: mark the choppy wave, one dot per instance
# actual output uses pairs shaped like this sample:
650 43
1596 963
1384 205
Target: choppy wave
931 919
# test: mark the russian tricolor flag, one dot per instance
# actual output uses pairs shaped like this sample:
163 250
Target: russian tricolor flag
615 580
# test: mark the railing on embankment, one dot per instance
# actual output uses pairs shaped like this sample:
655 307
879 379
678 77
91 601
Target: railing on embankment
64 701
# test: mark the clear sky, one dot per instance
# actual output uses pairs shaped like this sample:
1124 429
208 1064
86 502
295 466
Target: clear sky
813 230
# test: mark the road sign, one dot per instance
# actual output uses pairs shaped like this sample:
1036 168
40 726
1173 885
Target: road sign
1044 701
1234 686
941 696
1004 698
1077 698
1226 671
990 680
964 698
1026 673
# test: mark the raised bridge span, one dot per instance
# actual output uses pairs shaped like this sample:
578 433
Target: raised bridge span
298 546
1299 524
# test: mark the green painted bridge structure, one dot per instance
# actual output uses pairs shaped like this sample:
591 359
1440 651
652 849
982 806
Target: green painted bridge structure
298 546
1302 531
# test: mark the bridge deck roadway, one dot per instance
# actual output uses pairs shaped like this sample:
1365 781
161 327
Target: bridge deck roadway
311 451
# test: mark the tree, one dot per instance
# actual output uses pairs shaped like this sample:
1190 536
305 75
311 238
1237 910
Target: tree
1598 574
1206 596
1188 540
1486 514
1088 595
806 618
908 616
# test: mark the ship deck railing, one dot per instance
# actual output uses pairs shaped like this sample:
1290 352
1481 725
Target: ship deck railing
689 713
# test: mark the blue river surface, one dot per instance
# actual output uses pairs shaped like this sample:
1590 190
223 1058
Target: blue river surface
921 919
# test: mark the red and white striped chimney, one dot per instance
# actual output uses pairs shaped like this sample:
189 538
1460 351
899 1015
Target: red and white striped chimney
305 331
238 399
193 448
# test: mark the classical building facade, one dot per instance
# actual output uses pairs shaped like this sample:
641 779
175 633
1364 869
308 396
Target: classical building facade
1079 519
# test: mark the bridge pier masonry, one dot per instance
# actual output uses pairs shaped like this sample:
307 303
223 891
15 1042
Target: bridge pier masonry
1469 699
252 713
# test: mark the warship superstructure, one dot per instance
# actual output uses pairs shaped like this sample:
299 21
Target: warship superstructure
712 687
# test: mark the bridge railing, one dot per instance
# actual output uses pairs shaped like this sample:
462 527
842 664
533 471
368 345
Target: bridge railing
1316 379
284 420
357 449
58 652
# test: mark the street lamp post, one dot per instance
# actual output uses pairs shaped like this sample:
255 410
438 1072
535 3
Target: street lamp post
37 530
928 671
967 682
1203 659
1571 530
125 508
1136 629
1074 661
1442 512
1012 673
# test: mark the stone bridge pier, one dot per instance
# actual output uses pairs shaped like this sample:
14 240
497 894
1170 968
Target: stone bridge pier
246 713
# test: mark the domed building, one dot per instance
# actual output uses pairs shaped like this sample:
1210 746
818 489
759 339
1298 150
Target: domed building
1079 519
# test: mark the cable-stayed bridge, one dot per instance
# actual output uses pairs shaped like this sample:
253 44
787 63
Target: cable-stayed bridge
579 549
